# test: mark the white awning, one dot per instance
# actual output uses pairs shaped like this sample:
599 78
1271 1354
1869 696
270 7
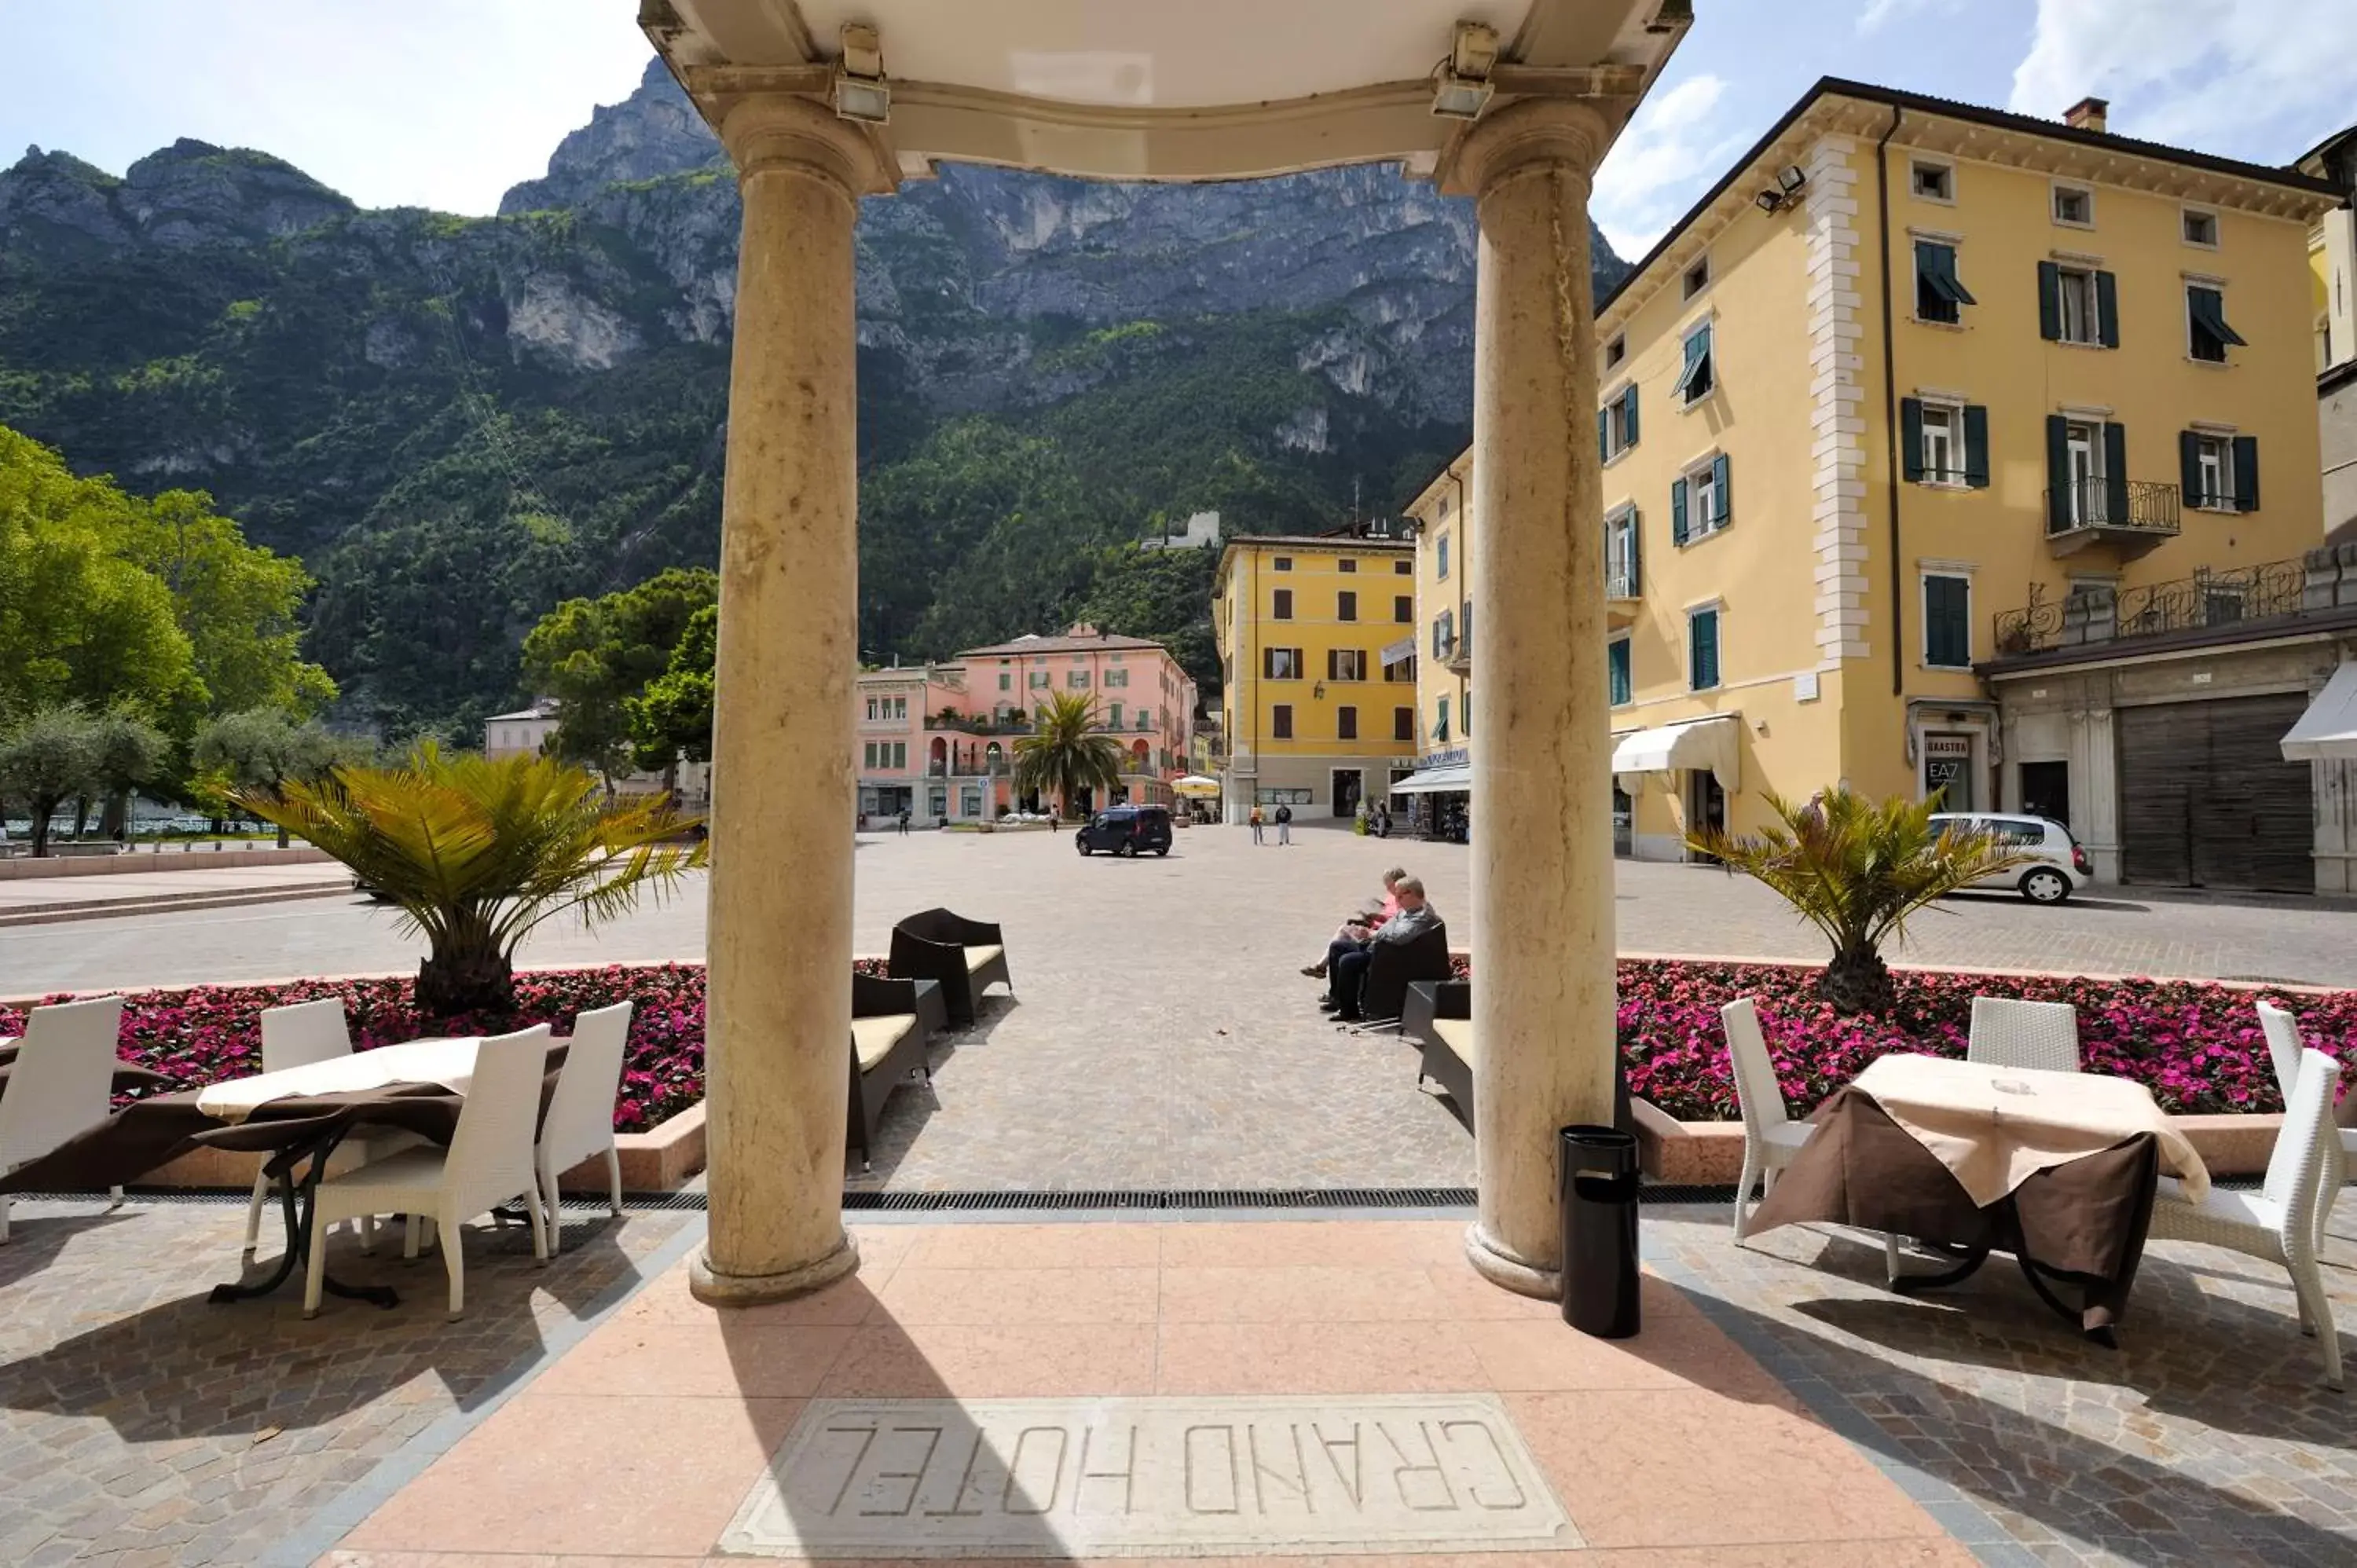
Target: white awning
1435 779
2328 731
1709 743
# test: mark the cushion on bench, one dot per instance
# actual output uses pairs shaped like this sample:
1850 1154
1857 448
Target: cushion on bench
1457 1034
873 1039
976 956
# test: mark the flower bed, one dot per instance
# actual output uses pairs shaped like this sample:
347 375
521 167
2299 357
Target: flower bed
2196 1045
206 1034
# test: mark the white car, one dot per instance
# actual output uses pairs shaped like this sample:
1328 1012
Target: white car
2053 867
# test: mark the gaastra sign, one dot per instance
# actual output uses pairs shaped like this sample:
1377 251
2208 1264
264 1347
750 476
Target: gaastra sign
1149 1477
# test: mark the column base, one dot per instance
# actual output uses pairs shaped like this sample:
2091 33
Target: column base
714 1288
1492 1260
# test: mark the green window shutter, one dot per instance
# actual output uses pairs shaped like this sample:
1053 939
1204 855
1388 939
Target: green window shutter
1976 463
2115 472
1616 665
1603 434
1701 649
2246 473
1718 485
2209 307
1947 636
1911 438
2057 473
1629 419
1677 512
1636 551
2107 310
1955 284
2188 467
2049 302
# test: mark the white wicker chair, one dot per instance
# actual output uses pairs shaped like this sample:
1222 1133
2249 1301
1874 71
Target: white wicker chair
487 1163
580 1120
2011 1033
298 1035
2278 1222
1770 1136
62 1084
2284 1047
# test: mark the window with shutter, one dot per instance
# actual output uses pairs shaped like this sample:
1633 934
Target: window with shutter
1947 622
1911 462
1346 723
1976 451
2246 473
1403 608
1403 723
1346 607
2207 336
1280 722
1702 650
1282 607
1440 722
1940 294
2107 310
1677 512
1696 377
1617 684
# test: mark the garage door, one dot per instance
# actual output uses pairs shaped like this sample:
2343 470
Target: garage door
2207 801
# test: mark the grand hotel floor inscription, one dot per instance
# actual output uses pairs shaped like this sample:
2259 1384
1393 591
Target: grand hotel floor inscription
1165 1476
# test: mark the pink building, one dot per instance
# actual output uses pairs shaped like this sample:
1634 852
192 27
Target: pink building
939 742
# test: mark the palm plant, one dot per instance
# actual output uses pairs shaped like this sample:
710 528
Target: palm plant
478 852
1062 754
1856 871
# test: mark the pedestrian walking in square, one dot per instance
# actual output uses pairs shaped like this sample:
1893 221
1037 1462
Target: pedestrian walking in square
1284 824
1256 825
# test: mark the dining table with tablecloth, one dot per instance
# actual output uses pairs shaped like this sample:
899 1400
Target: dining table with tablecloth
296 1117
2059 1169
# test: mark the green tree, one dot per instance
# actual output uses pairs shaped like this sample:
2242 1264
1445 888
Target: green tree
1856 871
127 751
1063 756
478 852
262 752
593 655
47 758
81 624
672 717
238 602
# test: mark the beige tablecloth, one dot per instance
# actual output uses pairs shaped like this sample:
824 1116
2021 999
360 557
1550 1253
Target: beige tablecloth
1995 1127
450 1063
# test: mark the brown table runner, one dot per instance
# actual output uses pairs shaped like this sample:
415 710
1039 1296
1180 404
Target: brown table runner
2085 1218
148 1133
128 1079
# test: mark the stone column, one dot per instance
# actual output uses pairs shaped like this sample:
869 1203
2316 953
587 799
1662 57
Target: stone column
1543 916
778 1019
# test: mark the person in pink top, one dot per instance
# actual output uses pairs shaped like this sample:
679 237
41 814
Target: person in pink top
1359 928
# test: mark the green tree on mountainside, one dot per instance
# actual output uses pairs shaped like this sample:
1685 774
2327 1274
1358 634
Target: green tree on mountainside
672 717
593 655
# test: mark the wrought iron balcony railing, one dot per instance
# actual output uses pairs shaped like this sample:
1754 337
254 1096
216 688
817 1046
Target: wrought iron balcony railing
2206 600
2133 506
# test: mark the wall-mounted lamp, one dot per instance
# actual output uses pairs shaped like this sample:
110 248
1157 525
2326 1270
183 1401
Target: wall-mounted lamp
1462 87
861 92
1789 181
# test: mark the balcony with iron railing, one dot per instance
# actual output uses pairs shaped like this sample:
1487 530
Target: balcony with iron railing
2130 516
1621 595
2212 600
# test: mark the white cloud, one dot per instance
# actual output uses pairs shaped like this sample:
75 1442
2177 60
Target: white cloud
2250 79
1660 163
1879 13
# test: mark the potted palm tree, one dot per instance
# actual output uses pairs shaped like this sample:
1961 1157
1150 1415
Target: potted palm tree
1855 870
1063 754
477 852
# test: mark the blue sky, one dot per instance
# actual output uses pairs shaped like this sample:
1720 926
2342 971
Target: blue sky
447 102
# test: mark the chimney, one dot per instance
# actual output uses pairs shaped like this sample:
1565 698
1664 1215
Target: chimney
2088 114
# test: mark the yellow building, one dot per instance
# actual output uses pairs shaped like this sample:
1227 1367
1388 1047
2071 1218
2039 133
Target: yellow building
1316 636
1918 399
2332 297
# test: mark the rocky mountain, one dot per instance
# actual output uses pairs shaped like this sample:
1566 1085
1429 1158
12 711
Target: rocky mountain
457 422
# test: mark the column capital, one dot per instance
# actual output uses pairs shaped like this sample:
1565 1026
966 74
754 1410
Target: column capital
1528 136
768 131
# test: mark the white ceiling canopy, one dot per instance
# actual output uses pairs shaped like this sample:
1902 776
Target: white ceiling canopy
1165 89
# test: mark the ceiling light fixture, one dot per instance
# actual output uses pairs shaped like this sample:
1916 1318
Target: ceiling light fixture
1462 89
861 92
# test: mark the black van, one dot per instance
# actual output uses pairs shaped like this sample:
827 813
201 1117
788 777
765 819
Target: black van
1126 830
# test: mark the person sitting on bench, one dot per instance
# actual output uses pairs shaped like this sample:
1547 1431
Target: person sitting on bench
1353 932
1348 975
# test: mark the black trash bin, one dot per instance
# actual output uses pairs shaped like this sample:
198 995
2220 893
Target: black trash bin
1599 1231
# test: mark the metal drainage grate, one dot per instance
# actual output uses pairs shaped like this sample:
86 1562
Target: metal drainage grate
1193 1199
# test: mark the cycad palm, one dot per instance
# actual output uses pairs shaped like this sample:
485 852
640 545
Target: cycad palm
1063 757
1856 871
477 852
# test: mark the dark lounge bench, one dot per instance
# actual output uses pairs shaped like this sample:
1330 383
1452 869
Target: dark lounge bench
1439 1018
966 956
891 1022
1392 967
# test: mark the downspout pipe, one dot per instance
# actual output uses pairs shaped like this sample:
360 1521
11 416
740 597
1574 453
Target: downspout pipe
1890 407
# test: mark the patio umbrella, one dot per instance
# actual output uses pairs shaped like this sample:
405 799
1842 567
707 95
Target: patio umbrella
1195 784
